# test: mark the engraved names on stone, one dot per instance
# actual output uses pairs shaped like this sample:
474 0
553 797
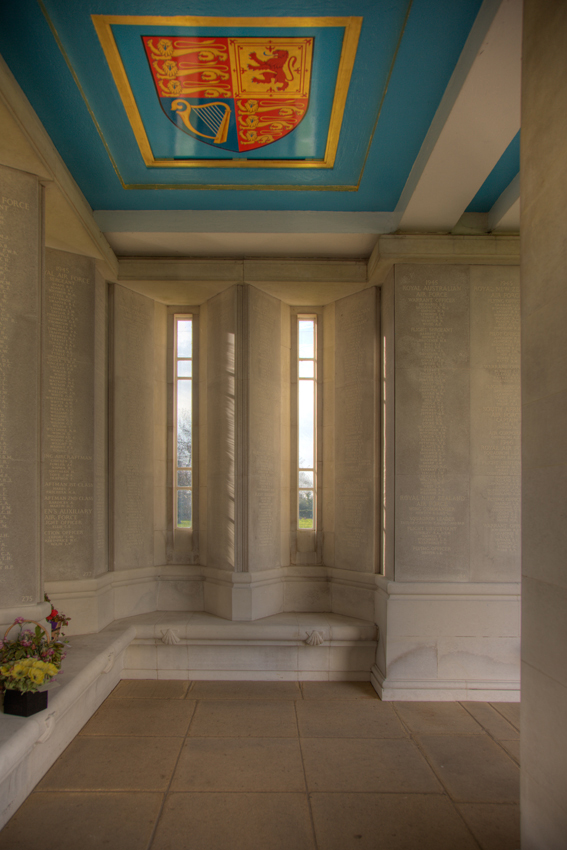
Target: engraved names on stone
495 437
133 426
68 415
355 437
432 430
19 379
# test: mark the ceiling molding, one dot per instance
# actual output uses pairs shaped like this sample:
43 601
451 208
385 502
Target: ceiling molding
46 162
501 250
243 221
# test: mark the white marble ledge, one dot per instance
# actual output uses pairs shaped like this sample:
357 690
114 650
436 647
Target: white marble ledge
30 745
288 626
87 657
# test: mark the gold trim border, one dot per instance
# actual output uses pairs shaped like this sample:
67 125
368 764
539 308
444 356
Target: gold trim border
352 27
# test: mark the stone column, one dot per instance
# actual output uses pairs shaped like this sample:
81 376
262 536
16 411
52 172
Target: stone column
74 451
544 426
243 453
21 592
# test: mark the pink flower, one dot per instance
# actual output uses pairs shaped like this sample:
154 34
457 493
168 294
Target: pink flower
19 620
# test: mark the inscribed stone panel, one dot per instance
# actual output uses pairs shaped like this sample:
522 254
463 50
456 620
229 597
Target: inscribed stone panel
20 266
355 431
68 416
495 424
432 415
264 429
133 427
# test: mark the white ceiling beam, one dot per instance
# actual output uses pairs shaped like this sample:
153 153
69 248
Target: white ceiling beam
505 214
476 121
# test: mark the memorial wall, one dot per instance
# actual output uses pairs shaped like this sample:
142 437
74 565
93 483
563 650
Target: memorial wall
264 398
132 430
457 415
74 502
356 458
448 600
20 323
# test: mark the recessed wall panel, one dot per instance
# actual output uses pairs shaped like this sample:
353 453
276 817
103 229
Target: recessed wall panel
20 271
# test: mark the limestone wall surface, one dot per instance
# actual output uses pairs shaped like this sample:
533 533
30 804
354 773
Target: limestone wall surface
20 326
544 425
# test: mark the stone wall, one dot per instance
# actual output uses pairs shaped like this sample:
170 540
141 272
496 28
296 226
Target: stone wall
74 453
132 430
20 325
448 602
544 426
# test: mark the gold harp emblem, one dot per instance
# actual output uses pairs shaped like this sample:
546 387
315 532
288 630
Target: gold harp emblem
215 116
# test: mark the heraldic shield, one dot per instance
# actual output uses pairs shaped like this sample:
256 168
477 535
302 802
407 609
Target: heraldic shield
237 94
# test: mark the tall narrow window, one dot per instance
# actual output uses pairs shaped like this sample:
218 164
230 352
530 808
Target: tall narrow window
183 437
307 420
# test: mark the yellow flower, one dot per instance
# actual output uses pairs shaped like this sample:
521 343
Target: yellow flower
52 669
5 671
36 675
18 671
27 662
41 665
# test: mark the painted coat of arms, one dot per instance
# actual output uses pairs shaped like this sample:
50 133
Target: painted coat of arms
238 94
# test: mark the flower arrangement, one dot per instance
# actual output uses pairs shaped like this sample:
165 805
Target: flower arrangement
55 619
29 660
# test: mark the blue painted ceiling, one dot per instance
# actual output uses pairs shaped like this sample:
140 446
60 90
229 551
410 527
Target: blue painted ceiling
406 55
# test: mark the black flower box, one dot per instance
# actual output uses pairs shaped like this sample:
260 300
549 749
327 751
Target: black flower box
15 702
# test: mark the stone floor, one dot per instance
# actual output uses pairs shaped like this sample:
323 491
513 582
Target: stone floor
171 765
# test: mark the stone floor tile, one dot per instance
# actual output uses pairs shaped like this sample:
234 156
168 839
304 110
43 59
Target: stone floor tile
348 719
235 822
244 718
246 690
510 710
240 764
114 764
50 821
490 719
473 769
338 690
513 748
495 827
437 718
149 689
388 821
151 717
350 764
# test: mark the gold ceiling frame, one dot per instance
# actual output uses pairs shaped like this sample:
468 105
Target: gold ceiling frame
352 26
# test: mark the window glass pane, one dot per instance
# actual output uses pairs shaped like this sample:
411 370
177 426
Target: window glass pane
306 509
184 512
184 478
184 368
184 337
184 423
306 369
306 338
306 397
305 479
